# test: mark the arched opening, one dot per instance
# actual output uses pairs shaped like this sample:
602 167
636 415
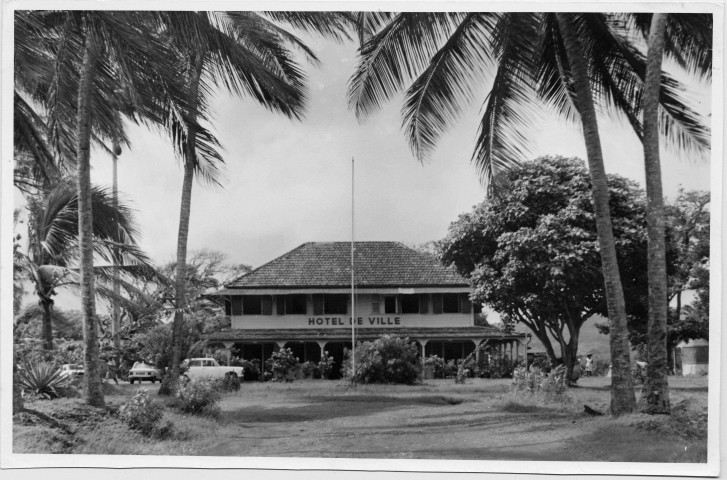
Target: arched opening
336 350
305 351
449 350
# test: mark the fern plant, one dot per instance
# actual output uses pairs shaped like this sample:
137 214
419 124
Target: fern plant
42 379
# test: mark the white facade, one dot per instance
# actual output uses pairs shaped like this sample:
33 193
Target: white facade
372 310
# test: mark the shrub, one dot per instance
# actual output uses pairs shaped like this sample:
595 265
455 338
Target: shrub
250 369
231 382
142 414
309 370
282 364
534 381
436 364
388 359
496 366
42 379
325 366
198 397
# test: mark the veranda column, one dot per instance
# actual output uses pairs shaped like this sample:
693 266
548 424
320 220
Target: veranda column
423 343
323 348
228 347
478 354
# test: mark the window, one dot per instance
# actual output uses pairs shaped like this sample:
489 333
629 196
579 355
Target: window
409 303
376 304
424 303
389 303
257 305
295 304
451 303
330 304
291 304
236 305
195 363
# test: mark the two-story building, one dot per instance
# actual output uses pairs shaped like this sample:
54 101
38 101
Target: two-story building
302 300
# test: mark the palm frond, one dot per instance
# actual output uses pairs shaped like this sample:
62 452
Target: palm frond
505 128
335 25
688 39
434 100
395 55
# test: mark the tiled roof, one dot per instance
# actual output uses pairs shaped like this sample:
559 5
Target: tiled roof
364 334
328 264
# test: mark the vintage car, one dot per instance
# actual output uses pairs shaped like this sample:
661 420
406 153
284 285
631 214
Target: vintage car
142 371
71 370
208 368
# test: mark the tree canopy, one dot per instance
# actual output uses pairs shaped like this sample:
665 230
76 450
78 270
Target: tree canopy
531 250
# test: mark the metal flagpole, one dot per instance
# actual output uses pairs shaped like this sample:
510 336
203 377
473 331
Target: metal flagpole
353 298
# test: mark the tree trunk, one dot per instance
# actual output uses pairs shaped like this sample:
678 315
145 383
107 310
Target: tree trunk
92 390
623 399
181 280
655 391
570 354
47 325
116 314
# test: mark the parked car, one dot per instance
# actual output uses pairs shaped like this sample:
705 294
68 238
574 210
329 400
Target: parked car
208 368
142 371
71 370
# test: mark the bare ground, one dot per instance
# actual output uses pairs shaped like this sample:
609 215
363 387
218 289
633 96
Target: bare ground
436 420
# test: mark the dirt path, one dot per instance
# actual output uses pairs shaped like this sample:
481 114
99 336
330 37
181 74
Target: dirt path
456 426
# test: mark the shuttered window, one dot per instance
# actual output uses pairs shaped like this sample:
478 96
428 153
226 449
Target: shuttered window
437 303
317 304
256 305
236 306
424 303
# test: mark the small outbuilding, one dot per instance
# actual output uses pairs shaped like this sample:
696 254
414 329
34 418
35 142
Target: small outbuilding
694 357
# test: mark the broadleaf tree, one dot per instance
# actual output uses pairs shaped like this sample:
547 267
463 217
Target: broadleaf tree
531 250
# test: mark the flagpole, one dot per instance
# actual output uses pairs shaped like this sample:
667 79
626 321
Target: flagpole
353 298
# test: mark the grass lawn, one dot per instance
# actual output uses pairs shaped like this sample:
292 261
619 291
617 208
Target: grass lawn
480 420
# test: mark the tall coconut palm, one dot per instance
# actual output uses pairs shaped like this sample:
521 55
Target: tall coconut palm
248 54
80 58
567 61
693 31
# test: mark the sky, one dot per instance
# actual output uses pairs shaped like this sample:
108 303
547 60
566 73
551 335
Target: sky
289 182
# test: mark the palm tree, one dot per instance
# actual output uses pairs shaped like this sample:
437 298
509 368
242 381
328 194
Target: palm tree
248 54
568 61
73 62
53 245
655 391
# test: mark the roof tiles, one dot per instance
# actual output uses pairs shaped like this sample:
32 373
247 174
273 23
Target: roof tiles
328 264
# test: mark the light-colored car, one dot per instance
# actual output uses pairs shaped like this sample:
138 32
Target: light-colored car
208 368
141 371
71 370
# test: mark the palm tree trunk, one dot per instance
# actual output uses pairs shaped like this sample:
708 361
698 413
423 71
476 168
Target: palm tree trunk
47 325
92 390
655 391
181 280
623 399
116 314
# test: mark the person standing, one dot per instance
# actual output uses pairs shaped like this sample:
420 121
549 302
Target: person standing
589 365
112 369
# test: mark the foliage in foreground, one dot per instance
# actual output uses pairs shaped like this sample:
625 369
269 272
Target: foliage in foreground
282 364
42 379
388 359
535 382
198 397
142 414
